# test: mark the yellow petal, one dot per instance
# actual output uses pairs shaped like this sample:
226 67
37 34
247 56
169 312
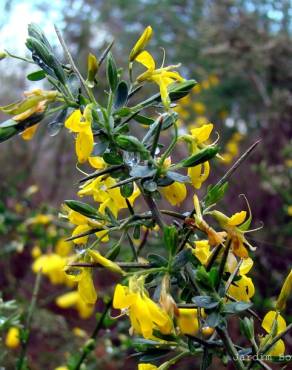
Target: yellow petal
201 134
84 145
285 292
73 121
122 297
147 60
97 257
86 287
140 317
77 218
202 251
85 310
197 176
28 133
246 265
141 43
237 218
243 289
67 300
269 319
12 339
278 348
159 317
97 162
147 367
80 229
187 321
174 193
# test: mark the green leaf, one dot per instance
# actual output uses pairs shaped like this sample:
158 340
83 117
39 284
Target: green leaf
130 143
121 95
149 185
181 259
112 73
236 307
156 260
84 209
127 190
176 91
142 171
143 120
203 278
154 355
175 176
205 301
215 193
7 132
213 320
200 157
170 238
114 251
36 76
137 232
113 158
247 327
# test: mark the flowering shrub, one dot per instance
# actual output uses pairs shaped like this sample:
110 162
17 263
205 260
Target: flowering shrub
179 300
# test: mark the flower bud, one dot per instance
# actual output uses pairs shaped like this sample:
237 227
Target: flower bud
3 55
207 331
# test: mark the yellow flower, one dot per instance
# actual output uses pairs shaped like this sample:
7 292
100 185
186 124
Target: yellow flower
141 43
81 124
199 136
174 193
40 219
12 339
213 79
163 76
99 188
289 210
197 89
79 332
28 133
63 248
145 315
61 368
97 257
84 225
51 265
86 287
285 293
97 162
274 324
201 120
187 321
242 289
73 299
202 251
199 107
36 251
233 226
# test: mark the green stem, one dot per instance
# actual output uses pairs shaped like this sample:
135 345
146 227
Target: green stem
174 360
90 345
223 263
231 350
36 288
170 148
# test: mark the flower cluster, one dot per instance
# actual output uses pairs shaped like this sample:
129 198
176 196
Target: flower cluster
180 298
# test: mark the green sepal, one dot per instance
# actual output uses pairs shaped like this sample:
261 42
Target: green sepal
200 157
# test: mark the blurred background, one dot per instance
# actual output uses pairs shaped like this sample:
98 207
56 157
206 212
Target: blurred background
239 51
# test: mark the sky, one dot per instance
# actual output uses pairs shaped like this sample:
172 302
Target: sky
14 30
